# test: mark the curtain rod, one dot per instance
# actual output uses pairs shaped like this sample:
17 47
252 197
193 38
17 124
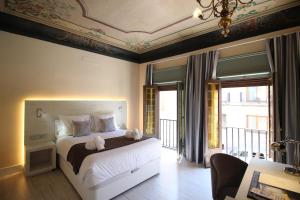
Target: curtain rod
233 44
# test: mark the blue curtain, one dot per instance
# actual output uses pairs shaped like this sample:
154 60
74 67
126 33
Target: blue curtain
200 68
284 58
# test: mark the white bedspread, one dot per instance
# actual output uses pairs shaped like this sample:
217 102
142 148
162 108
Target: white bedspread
100 167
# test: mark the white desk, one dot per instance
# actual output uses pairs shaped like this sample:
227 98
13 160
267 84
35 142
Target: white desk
269 167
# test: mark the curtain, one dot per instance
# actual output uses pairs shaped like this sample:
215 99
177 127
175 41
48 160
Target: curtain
180 120
200 68
284 58
149 75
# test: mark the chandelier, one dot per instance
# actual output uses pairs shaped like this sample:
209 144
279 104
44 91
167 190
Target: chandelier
219 8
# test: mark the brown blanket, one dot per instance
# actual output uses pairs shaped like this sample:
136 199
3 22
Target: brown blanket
78 152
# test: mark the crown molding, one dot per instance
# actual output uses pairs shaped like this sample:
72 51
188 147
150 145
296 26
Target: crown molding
261 25
21 26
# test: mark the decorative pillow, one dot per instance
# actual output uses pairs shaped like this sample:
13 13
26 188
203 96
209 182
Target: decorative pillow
68 119
81 128
60 129
97 125
107 125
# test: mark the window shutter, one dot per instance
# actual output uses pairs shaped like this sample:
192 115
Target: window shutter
213 112
151 110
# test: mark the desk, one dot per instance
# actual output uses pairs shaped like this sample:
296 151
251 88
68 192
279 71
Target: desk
260 165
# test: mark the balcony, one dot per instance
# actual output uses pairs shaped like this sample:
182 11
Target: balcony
240 142
168 133
245 143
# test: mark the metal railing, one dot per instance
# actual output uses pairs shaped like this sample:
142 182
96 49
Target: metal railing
245 143
240 142
168 133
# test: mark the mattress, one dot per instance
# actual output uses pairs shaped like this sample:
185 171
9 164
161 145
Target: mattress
99 168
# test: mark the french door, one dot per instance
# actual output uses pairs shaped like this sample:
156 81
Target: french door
239 118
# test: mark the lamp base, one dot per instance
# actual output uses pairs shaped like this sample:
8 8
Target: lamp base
292 171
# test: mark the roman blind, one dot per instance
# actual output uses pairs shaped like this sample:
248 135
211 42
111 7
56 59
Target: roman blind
170 74
254 64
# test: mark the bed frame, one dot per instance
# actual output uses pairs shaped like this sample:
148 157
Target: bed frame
35 125
113 188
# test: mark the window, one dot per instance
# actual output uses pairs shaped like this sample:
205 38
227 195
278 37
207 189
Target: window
226 97
241 96
251 94
224 120
257 94
257 122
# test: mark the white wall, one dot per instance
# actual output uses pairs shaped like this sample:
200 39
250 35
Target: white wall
35 69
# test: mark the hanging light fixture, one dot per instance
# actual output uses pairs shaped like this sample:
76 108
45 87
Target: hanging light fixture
219 8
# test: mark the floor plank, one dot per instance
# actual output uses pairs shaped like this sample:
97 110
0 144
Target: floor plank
184 181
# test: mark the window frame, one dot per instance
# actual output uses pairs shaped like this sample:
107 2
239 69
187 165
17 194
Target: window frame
245 82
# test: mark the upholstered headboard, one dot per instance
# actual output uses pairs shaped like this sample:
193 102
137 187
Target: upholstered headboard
40 116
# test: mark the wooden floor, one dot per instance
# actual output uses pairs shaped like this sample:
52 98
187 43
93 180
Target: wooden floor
185 181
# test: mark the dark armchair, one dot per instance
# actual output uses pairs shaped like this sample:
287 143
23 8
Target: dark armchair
226 175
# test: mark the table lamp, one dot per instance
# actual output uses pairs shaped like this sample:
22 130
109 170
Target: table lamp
281 147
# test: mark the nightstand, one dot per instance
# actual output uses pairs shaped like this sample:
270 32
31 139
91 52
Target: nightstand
40 158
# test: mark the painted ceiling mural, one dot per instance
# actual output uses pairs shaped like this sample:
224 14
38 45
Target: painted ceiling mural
135 25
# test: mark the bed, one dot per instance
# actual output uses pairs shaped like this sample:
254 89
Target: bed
107 174
102 175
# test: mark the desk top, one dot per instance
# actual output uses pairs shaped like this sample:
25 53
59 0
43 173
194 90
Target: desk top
272 168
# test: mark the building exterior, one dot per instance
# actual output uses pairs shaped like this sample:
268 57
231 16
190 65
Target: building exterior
245 107
245 121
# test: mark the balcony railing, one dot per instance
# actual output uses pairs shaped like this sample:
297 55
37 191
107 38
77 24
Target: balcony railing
168 133
240 142
245 143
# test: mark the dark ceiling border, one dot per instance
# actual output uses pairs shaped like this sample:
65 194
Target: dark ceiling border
265 24
14 24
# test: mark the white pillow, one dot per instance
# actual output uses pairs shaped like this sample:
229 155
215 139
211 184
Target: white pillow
68 121
60 129
97 126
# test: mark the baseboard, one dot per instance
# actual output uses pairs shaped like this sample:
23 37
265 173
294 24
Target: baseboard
10 170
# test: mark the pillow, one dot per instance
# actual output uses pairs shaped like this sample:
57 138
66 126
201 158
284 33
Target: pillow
81 128
107 125
97 125
68 119
60 129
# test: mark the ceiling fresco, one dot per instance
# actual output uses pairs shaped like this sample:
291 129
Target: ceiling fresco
135 25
